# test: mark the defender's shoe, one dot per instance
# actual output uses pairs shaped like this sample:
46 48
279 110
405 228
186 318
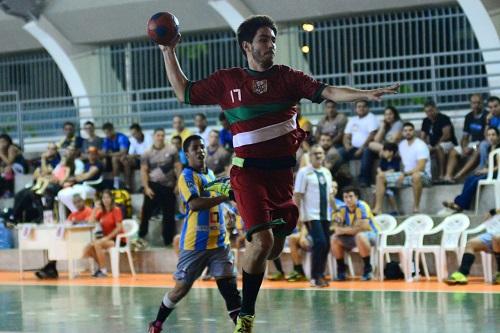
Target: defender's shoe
244 324
456 278
153 328
296 277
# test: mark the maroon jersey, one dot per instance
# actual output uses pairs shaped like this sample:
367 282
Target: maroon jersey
258 106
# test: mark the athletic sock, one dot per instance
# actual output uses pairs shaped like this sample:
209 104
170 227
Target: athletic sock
277 263
467 261
368 265
251 287
164 311
340 266
298 269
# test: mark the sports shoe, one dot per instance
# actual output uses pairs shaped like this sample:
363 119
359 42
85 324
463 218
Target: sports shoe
456 278
276 277
367 276
296 277
153 329
496 280
319 283
340 277
244 324
99 274
221 186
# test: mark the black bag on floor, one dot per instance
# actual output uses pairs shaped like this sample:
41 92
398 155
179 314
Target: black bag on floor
27 207
392 271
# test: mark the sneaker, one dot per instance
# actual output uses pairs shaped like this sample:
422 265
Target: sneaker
456 278
319 283
153 329
367 276
277 277
244 324
296 277
99 274
496 280
47 274
340 277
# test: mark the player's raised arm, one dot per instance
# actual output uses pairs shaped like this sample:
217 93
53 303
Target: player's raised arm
175 74
348 94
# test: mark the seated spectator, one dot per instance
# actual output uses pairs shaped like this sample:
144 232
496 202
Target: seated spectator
306 125
389 163
218 158
353 226
416 173
313 196
390 130
225 136
115 147
492 120
76 185
200 122
179 128
58 176
139 144
109 217
473 134
160 168
11 162
92 139
438 132
464 200
70 138
488 242
80 215
176 141
332 155
333 124
299 243
359 132
48 162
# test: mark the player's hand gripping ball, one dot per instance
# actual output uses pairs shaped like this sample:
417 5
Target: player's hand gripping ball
163 28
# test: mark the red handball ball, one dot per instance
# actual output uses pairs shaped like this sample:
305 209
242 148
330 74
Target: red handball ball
163 28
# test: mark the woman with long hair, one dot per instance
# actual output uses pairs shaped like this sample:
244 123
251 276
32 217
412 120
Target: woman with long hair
390 130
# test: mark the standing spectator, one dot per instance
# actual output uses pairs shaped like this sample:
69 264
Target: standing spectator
109 216
333 124
473 134
80 215
92 139
464 200
139 143
313 195
389 164
439 134
390 130
159 169
359 132
218 158
115 147
416 173
70 138
200 122
179 128
225 136
353 226
176 141
492 120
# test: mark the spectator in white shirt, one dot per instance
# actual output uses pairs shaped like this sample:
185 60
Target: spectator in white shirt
359 132
139 144
415 157
200 122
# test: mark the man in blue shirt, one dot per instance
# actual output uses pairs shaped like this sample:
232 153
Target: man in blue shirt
492 120
225 136
114 147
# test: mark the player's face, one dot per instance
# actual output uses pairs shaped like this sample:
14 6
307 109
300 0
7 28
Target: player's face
361 109
494 107
476 103
350 199
263 47
408 132
196 154
492 137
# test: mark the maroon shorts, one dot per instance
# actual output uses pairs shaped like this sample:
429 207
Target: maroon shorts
263 196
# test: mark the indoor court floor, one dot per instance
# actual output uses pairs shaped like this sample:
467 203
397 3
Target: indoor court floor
125 305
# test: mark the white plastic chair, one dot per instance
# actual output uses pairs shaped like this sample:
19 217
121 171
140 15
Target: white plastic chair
130 228
414 228
452 227
492 226
490 180
385 223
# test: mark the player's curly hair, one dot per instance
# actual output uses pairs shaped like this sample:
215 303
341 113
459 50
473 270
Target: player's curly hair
248 29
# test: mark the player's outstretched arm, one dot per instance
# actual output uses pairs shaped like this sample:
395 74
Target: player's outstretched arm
175 75
348 94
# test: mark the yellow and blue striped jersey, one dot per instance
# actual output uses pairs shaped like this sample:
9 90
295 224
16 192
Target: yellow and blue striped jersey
204 229
362 211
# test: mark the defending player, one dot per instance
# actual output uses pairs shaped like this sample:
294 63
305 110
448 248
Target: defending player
258 103
204 241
